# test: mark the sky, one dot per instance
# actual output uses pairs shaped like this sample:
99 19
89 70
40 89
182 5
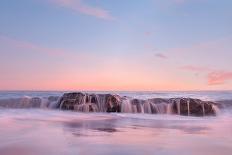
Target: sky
128 45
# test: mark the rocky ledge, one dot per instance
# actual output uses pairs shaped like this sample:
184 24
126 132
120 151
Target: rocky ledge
84 102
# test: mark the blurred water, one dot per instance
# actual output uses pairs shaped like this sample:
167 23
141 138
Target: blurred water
53 132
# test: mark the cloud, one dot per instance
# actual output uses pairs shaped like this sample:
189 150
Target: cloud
213 76
81 7
219 77
160 55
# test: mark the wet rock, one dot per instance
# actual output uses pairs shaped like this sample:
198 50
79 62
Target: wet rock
113 103
138 105
158 100
192 107
209 108
90 102
53 98
85 102
69 100
159 105
24 102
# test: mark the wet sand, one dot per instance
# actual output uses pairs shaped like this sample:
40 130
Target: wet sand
53 132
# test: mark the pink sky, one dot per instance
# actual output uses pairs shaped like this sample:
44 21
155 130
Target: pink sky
115 45
111 74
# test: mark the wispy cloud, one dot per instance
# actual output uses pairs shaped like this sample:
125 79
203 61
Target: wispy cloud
213 76
219 77
205 58
81 7
160 55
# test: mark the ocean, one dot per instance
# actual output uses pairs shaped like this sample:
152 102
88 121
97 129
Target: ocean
49 131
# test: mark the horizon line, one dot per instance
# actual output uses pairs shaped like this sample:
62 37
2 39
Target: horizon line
18 90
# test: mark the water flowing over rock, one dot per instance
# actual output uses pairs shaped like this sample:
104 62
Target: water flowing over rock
193 107
85 102
90 102
28 102
224 104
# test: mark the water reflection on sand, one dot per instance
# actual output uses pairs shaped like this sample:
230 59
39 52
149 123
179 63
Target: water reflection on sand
47 132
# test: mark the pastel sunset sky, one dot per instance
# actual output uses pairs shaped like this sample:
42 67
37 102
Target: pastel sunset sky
116 45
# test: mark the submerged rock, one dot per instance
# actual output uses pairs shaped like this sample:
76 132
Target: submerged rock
192 107
29 102
24 102
85 102
224 104
89 102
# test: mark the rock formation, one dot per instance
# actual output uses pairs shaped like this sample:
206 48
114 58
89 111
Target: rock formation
84 102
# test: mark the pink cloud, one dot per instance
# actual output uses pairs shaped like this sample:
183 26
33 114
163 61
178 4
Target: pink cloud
160 55
213 76
219 77
81 7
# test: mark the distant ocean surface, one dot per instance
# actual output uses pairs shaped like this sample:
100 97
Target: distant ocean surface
204 95
38 131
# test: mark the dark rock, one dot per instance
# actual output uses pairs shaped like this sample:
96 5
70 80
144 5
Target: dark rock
113 103
53 98
89 102
193 107
69 100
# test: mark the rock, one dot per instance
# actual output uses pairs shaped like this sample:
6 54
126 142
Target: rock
69 100
90 102
113 103
209 108
138 105
85 102
192 107
53 98
158 100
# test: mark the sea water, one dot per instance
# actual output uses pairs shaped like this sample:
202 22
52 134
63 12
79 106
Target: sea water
57 132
